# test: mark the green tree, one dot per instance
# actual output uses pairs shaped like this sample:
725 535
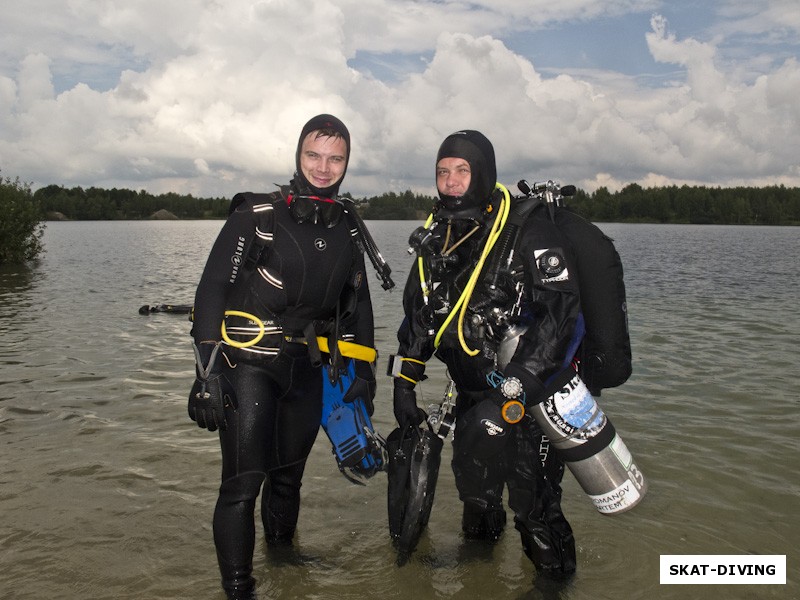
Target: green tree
659 205
390 205
21 222
604 205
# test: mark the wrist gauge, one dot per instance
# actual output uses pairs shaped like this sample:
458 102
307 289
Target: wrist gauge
511 388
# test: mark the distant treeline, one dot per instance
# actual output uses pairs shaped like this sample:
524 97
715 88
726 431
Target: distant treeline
774 205
98 204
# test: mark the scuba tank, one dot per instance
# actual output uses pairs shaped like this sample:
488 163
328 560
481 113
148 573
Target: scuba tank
590 446
358 448
584 436
570 417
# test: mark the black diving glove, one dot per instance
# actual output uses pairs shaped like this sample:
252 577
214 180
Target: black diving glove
406 411
363 386
211 392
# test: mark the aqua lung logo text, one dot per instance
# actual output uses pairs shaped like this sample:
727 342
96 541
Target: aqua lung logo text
492 428
236 259
320 244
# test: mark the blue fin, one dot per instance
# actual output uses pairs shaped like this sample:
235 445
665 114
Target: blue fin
356 446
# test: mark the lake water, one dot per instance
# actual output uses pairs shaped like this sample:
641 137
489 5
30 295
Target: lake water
107 489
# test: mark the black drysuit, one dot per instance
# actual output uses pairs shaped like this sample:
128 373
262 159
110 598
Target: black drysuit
303 275
549 309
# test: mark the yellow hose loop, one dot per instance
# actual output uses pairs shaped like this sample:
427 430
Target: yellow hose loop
494 235
254 319
412 360
347 349
463 301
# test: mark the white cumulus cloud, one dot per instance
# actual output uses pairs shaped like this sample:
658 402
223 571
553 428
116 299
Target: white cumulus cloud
208 97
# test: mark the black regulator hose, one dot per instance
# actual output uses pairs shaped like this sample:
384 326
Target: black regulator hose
520 209
371 248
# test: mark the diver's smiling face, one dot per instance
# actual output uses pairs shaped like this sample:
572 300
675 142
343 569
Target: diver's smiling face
323 159
453 176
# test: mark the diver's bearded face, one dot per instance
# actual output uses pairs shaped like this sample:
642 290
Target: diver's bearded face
453 176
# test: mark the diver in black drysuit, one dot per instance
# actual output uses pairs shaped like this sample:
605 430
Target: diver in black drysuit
549 305
289 260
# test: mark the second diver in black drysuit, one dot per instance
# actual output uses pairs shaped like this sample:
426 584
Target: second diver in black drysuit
515 333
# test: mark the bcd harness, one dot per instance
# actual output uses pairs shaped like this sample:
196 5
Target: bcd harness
321 336
412 369
604 353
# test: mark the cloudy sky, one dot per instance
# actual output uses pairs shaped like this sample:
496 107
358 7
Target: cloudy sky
208 96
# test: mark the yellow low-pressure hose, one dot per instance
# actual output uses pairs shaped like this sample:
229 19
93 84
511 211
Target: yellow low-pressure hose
422 282
463 301
494 235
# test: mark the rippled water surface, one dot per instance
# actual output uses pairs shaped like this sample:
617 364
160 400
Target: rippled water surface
107 488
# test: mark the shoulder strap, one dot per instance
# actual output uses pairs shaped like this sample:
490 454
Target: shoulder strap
521 209
263 206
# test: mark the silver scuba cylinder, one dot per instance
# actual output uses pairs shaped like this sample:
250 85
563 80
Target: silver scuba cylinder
508 344
591 448
584 437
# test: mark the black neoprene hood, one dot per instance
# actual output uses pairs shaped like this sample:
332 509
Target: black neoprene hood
477 150
323 121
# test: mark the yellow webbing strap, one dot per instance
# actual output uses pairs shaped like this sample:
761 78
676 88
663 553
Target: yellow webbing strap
350 350
398 372
347 349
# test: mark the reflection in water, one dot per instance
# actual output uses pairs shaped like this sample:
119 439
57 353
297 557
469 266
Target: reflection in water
15 286
15 279
107 488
